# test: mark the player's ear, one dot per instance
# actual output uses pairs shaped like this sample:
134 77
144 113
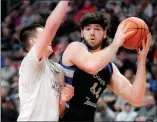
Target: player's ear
104 34
81 33
31 41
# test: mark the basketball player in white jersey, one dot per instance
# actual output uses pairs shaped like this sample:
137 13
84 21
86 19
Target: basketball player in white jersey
42 97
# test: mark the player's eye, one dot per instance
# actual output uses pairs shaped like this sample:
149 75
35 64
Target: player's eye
87 28
98 29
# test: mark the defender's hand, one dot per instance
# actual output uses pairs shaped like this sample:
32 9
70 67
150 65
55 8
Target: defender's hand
142 53
67 93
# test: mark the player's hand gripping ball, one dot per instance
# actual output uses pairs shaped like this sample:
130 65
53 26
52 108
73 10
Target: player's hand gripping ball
140 32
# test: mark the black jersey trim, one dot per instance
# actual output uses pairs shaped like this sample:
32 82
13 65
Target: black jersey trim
111 68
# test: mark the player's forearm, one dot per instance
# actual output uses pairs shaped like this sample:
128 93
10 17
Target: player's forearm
57 15
52 24
62 106
100 59
139 85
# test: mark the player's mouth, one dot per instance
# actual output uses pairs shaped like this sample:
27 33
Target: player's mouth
92 39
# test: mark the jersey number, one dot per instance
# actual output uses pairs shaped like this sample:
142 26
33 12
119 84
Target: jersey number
93 90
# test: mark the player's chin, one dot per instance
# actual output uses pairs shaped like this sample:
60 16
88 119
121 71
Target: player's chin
49 50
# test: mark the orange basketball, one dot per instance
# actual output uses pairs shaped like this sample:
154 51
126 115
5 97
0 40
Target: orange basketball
140 28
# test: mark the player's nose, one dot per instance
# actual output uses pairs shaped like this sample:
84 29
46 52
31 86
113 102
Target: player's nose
92 32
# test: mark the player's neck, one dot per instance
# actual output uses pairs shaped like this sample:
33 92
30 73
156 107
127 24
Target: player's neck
46 55
96 50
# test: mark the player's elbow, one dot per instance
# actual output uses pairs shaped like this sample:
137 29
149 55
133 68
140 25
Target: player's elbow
91 69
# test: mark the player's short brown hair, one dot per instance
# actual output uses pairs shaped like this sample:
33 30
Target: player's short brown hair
26 33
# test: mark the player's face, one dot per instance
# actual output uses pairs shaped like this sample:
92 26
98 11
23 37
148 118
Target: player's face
93 35
49 49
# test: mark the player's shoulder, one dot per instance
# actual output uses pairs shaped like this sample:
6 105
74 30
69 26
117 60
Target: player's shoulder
74 46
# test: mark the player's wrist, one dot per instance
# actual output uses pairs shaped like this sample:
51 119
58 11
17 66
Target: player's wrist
141 60
114 47
63 101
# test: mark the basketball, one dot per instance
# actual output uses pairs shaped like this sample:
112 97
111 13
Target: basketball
140 31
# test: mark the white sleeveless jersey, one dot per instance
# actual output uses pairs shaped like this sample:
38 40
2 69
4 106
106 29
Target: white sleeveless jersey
39 88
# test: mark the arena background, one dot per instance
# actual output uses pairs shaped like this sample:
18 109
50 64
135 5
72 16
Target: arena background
16 14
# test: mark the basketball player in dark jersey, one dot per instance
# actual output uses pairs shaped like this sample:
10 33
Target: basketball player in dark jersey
89 69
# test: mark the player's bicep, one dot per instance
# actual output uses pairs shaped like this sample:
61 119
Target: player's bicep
120 85
81 58
78 54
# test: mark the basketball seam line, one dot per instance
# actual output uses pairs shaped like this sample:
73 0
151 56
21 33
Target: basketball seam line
133 22
137 26
144 31
135 33
139 39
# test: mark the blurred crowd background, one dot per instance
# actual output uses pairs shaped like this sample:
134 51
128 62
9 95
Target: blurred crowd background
18 14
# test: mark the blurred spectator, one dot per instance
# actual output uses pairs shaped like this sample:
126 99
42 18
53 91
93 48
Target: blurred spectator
14 85
140 14
103 112
149 108
115 22
28 17
88 7
15 17
147 8
129 74
15 37
127 114
71 10
67 27
100 4
8 112
6 38
2 61
24 5
148 92
75 36
140 119
59 48
115 7
8 71
118 103
109 97
43 10
123 62
154 21
128 9
38 19
5 85
8 24
152 84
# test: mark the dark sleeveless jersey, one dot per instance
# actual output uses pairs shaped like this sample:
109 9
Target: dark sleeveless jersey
87 90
